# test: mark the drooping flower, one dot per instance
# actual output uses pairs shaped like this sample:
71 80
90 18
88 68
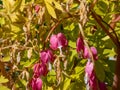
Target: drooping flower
87 54
36 84
40 69
79 44
89 70
57 41
94 52
46 56
37 8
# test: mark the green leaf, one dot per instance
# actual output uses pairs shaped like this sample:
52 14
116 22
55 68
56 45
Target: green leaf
3 80
58 6
79 70
6 58
66 84
110 52
16 5
27 63
70 27
7 5
51 77
2 21
99 70
72 44
3 87
50 9
105 38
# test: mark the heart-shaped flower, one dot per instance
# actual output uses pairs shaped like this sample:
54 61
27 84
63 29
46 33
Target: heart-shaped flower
58 41
46 56
40 69
79 44
36 84
89 70
87 54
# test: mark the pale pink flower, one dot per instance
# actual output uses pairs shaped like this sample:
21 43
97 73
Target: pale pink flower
36 84
57 41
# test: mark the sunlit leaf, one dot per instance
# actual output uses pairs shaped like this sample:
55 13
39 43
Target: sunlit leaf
7 5
58 6
109 52
3 88
17 5
66 84
72 44
3 79
50 9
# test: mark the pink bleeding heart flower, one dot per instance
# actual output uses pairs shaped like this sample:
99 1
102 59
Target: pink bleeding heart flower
94 52
40 69
36 84
37 8
57 41
79 44
87 54
46 56
89 70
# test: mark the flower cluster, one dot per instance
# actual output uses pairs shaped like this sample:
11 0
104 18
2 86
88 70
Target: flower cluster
57 42
90 76
46 58
40 69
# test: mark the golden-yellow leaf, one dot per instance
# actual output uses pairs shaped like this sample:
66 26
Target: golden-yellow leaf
50 9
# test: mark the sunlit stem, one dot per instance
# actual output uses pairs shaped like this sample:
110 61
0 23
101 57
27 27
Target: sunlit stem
49 66
86 79
89 60
60 48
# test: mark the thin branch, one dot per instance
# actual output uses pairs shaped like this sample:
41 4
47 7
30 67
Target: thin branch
54 27
111 28
99 21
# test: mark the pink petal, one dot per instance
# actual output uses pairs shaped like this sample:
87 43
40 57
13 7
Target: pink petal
86 53
94 52
54 42
40 70
89 68
36 84
62 41
44 56
37 8
50 55
79 44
